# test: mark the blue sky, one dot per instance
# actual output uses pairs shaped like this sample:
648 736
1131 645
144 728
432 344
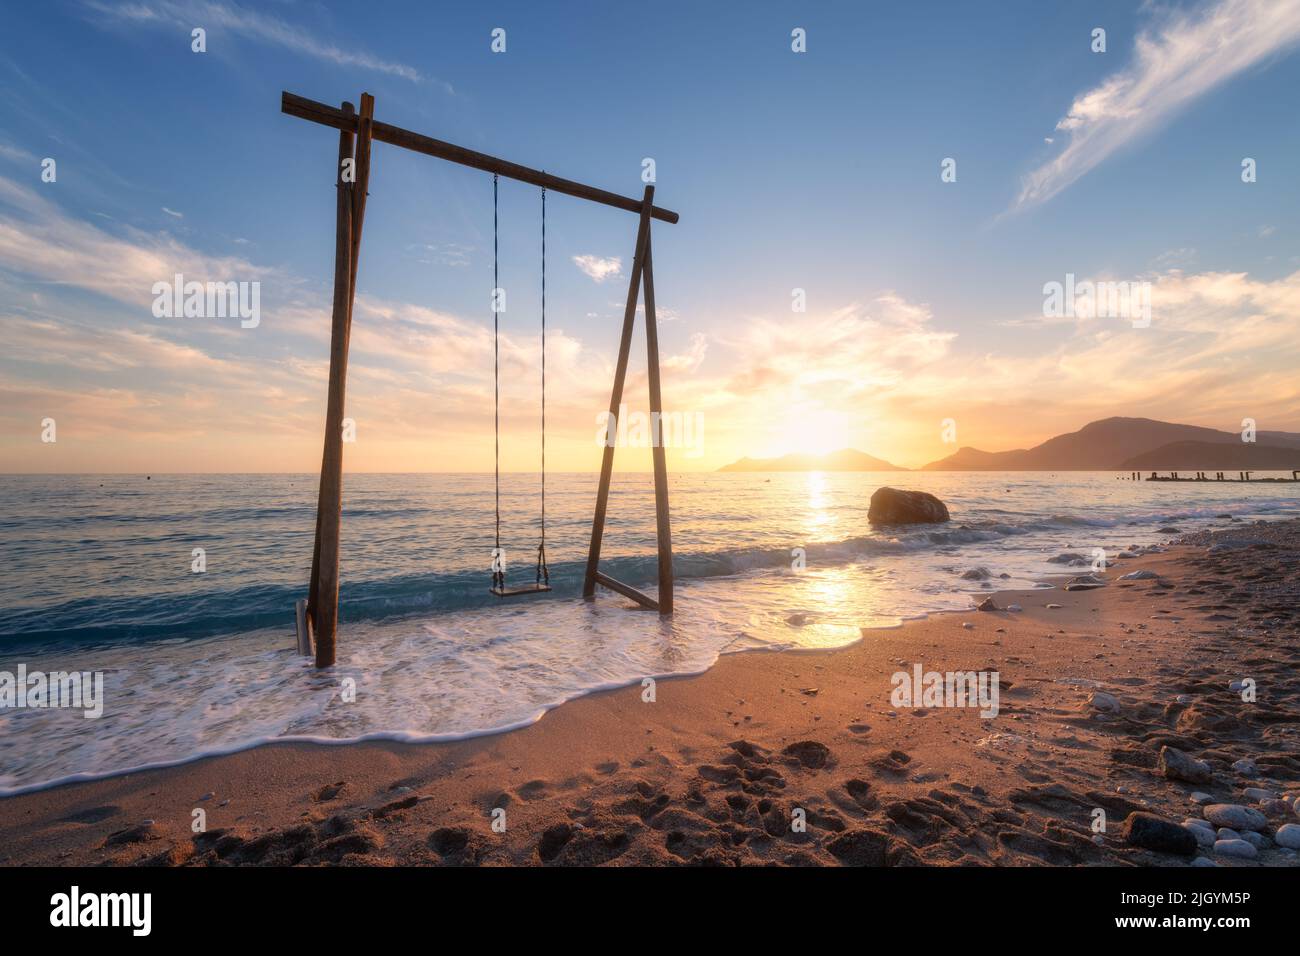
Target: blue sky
817 170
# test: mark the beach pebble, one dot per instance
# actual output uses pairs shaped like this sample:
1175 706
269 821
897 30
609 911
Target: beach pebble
969 627
1224 833
1069 557
1106 703
1085 583
1155 833
977 574
1173 764
1288 835
1237 848
1200 798
1139 576
1014 608
207 796
1275 808
1245 765
1234 815
1257 840
1204 835
1258 794
988 604
1237 687
1053 607
1203 861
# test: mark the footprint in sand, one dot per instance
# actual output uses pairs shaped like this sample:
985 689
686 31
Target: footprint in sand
810 754
532 790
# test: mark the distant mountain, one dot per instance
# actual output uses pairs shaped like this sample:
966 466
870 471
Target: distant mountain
1106 445
847 459
1216 456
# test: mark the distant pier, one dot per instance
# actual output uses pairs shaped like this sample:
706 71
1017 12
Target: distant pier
1205 476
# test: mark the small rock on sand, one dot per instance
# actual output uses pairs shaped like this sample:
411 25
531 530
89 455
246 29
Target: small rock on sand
988 604
1155 833
1245 765
1288 835
1139 576
1176 765
1106 703
1234 815
1237 848
1200 798
1086 582
1258 794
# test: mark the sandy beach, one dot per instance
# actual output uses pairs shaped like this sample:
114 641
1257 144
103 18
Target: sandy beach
1113 701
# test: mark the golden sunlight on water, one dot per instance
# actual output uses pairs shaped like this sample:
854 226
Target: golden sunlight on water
820 520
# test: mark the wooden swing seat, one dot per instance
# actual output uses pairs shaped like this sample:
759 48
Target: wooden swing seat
536 588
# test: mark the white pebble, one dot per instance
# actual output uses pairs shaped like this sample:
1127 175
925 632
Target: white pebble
1288 836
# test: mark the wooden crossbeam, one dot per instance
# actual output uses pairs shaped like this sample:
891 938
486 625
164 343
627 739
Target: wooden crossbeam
627 591
332 116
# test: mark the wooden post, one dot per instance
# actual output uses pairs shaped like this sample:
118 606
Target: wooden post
361 190
616 396
662 525
342 257
351 217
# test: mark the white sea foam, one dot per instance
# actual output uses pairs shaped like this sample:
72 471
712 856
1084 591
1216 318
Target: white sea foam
431 675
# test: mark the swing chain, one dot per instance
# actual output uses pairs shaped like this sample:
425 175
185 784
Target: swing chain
498 559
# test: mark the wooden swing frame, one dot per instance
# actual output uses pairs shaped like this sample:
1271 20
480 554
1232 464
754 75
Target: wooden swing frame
317 614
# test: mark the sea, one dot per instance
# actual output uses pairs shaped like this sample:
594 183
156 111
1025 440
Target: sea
179 590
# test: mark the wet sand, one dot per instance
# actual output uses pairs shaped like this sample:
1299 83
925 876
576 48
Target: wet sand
1107 704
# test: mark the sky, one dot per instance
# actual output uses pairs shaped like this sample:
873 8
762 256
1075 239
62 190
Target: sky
924 324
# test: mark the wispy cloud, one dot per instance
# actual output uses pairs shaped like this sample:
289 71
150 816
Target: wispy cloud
255 25
599 268
1176 61
173 212
16 154
40 241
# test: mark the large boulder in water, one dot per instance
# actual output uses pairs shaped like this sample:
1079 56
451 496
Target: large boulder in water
895 506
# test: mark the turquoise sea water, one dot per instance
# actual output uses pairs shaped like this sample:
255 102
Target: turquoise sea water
95 575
